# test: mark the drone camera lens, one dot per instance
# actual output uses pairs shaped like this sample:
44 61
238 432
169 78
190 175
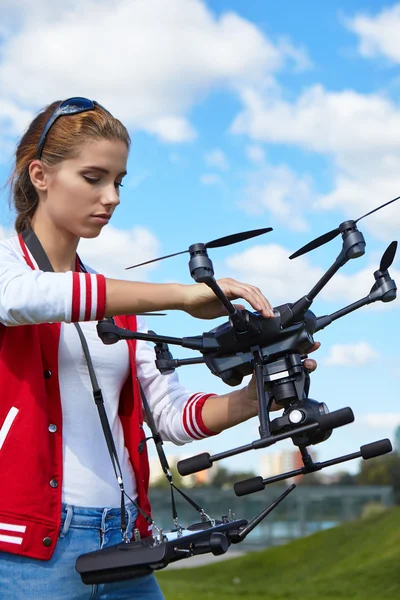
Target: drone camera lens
296 416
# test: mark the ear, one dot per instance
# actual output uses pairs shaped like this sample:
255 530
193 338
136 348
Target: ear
38 175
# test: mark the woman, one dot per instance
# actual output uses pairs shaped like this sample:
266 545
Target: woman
59 495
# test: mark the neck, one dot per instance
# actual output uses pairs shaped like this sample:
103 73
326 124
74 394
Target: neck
59 245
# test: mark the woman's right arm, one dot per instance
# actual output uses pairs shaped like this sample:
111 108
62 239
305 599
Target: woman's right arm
126 297
132 297
30 296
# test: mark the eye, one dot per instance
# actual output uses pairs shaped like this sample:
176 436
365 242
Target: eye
91 180
118 184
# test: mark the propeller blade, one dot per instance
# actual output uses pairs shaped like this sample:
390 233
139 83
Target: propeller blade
327 237
156 259
319 241
224 241
237 237
375 209
388 256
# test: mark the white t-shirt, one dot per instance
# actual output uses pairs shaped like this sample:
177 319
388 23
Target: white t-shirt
89 478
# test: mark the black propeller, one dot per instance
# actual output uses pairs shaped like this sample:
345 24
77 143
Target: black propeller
224 241
388 257
327 237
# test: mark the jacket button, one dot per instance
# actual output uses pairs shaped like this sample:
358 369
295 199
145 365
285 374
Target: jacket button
54 483
47 541
47 374
52 428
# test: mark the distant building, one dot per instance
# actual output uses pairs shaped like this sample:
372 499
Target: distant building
275 463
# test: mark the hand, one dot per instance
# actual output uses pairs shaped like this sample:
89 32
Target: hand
308 363
201 302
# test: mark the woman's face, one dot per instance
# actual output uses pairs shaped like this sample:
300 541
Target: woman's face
83 192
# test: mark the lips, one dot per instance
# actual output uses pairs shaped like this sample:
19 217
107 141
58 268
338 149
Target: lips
103 216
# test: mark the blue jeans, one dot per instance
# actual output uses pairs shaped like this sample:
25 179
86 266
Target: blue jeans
82 530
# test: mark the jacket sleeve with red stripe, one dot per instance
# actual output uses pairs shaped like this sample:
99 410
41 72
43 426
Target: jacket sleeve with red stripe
29 296
176 410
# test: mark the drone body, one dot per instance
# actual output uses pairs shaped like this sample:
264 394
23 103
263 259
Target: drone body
272 349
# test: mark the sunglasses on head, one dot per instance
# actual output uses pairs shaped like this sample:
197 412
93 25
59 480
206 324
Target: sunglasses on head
71 106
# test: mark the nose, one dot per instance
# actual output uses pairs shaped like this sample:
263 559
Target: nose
111 196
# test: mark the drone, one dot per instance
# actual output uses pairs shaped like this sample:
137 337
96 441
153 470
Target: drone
271 348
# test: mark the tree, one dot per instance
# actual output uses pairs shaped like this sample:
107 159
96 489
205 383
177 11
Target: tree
224 478
383 470
163 483
345 478
309 479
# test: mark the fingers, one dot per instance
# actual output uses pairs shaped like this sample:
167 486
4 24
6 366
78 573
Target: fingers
315 347
235 289
309 364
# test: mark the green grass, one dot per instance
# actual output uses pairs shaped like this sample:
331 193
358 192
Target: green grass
355 561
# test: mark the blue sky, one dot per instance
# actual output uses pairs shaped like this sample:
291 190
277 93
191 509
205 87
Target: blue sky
243 115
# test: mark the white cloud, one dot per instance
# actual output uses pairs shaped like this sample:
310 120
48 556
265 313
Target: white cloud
13 119
359 132
255 153
148 61
379 34
216 158
322 121
351 355
115 249
172 129
299 55
278 191
378 420
283 280
269 268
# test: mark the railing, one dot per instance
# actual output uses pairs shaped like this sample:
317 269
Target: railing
306 510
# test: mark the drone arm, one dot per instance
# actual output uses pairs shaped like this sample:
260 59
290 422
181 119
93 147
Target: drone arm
386 292
326 320
109 333
165 365
202 271
237 317
211 282
298 309
340 261
353 247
